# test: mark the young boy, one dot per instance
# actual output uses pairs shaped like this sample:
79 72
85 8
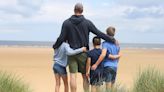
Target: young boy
95 76
110 63
60 64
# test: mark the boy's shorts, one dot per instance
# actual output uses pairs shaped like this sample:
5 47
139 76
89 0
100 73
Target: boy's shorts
77 63
96 77
58 69
110 74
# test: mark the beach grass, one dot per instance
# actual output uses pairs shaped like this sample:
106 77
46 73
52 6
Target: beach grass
149 80
12 83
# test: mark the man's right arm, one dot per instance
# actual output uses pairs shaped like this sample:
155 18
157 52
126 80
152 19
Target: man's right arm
94 30
61 38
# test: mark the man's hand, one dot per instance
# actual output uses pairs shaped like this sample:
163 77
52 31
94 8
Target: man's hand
117 43
94 67
84 49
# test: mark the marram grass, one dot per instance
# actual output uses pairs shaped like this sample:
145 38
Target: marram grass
11 83
149 80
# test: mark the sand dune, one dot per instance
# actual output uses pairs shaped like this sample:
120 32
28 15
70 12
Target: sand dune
34 65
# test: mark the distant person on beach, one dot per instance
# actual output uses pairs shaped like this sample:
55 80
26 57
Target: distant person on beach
76 31
95 76
110 63
60 64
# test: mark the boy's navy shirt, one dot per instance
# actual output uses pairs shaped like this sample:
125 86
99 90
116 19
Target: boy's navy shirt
94 55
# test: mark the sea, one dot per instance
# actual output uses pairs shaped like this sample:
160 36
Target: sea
48 44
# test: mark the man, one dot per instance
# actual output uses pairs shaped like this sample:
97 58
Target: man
75 31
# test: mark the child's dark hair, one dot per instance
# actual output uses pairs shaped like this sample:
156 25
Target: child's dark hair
96 40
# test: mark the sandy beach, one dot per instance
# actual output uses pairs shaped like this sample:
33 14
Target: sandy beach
34 65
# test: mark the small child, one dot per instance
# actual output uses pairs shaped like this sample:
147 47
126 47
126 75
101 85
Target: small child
110 63
95 76
60 64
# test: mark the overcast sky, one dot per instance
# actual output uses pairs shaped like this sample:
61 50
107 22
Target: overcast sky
136 21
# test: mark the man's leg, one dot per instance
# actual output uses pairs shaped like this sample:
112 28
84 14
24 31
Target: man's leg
85 83
73 69
82 69
73 82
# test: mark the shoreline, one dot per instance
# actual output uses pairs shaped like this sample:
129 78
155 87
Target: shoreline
49 47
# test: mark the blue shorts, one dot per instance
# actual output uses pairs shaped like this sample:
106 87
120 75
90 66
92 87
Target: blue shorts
96 77
58 69
110 74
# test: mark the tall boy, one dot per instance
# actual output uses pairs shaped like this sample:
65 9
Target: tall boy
95 76
110 63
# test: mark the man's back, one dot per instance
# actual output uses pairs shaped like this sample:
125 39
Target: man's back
76 30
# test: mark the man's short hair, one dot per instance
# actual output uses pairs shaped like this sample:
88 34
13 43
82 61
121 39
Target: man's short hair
78 8
96 41
110 31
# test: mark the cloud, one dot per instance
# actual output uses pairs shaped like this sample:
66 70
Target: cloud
140 3
24 8
137 12
33 16
6 31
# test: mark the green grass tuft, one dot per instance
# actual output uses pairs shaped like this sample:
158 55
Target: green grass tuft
149 80
11 83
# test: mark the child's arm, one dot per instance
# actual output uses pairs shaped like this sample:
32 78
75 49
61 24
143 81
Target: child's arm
88 65
100 59
70 51
114 56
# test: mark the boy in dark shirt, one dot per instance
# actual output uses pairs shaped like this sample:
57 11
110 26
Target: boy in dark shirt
95 76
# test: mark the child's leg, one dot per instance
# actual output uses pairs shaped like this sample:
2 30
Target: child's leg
93 88
57 77
108 86
65 80
99 88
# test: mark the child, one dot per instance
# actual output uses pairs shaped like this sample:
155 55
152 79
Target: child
95 76
59 67
110 63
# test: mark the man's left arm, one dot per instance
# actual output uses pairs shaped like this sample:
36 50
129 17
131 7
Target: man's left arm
100 34
61 38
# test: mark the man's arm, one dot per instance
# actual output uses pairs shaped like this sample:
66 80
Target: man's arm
94 30
100 59
61 38
70 51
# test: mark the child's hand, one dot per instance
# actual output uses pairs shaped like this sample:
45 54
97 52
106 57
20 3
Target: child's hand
84 49
94 67
87 75
119 55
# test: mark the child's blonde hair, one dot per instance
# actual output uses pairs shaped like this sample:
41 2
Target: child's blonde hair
110 31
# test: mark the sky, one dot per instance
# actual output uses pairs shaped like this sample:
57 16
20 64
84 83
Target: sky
136 21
